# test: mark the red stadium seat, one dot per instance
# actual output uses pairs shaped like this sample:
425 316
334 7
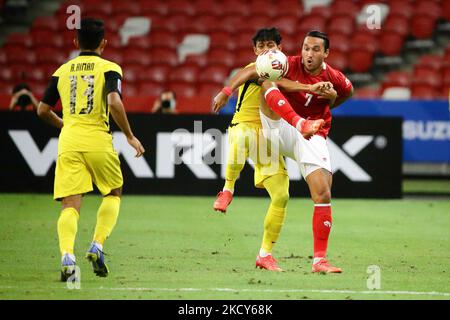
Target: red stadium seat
181 6
203 24
286 24
311 22
102 9
209 89
129 90
337 59
221 39
153 89
243 57
221 57
397 79
288 7
424 91
155 74
339 41
235 7
163 39
364 39
19 55
322 11
244 40
425 75
230 23
184 73
214 74
360 60
153 7
401 7
173 23
131 73
126 8
391 43
163 56
432 61
259 9
427 8
183 89
56 41
446 10
200 60
114 55
344 7
45 23
140 43
422 26
212 8
397 23
344 24
138 56
22 39
255 23
367 93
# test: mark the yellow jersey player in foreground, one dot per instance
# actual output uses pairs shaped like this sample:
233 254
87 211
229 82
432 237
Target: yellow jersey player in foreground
89 88
246 140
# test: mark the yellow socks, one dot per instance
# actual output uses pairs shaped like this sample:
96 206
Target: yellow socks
67 230
106 218
278 188
272 226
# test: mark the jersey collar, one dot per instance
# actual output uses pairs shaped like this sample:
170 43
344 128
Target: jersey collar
89 53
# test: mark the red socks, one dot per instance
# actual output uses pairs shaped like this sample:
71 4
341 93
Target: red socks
321 229
279 104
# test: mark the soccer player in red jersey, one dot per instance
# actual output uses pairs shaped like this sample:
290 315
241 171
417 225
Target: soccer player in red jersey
295 105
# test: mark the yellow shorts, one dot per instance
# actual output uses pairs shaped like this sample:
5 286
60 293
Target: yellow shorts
246 140
76 171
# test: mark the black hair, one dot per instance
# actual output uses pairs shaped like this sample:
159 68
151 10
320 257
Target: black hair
90 34
321 35
267 34
24 100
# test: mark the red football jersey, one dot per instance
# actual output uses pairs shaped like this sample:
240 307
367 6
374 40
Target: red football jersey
308 105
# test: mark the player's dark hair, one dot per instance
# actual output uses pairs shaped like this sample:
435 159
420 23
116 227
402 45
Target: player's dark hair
321 35
267 34
90 34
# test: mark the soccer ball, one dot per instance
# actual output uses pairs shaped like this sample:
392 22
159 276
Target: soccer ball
271 65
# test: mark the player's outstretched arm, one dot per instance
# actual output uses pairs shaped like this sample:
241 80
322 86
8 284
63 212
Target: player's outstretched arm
287 85
235 82
45 113
120 117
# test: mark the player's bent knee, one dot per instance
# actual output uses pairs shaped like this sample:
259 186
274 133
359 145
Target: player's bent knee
323 196
116 192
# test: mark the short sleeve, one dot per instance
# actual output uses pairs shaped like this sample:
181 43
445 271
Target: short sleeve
51 94
292 66
341 84
113 82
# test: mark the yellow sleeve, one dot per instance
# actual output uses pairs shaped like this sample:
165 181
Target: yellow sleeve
111 66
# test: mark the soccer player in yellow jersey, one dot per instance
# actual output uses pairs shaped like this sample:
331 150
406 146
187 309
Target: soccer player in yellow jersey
90 89
246 140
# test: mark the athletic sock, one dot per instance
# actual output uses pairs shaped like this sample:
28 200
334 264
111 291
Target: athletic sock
67 230
106 218
272 226
322 222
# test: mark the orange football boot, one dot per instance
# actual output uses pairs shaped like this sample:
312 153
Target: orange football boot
324 266
223 200
268 263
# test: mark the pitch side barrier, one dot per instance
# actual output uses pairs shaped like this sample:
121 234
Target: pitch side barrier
186 155
426 125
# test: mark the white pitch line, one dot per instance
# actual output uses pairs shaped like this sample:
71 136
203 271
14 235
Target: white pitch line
430 293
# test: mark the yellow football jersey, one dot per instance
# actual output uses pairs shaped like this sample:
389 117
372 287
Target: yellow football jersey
82 84
249 100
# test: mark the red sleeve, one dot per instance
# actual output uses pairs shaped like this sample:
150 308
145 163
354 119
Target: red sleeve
341 84
293 63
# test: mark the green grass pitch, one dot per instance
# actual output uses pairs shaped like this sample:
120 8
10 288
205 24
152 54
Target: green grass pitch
179 248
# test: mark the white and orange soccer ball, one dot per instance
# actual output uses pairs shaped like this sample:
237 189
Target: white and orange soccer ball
271 65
